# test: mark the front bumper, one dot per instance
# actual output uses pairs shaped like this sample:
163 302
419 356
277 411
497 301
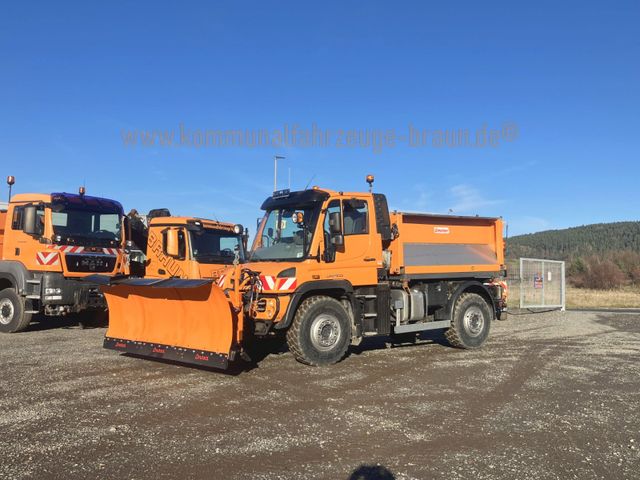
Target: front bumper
73 294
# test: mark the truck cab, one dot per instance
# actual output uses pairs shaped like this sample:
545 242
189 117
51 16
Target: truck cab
192 248
48 242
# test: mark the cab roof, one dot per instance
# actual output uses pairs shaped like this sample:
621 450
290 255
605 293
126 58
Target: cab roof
68 198
304 197
206 223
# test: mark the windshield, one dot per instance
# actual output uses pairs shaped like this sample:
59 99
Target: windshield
86 225
283 236
215 246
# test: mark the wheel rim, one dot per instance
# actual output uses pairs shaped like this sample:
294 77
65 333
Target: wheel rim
325 331
6 311
473 321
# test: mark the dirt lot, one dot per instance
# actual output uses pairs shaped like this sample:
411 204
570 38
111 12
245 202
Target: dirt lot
550 396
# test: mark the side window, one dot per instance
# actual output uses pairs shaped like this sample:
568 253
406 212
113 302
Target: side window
16 221
334 206
182 243
40 221
356 217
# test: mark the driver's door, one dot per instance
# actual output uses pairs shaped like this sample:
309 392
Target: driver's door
356 260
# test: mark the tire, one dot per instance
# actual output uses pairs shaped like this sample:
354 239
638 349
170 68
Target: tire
12 312
471 322
93 319
321 331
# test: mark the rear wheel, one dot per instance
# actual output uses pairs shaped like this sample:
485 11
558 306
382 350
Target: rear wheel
471 322
321 331
12 312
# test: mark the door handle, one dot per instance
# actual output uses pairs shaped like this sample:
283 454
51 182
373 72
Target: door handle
369 259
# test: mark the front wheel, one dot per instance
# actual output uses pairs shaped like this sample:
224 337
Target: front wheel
12 312
321 331
470 323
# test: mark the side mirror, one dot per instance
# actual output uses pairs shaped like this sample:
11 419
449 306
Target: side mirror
245 239
298 218
335 226
30 223
329 255
270 232
337 240
171 243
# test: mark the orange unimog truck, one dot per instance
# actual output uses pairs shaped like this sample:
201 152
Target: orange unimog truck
189 247
329 269
47 243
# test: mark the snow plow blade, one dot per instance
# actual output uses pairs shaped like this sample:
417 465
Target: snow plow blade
190 321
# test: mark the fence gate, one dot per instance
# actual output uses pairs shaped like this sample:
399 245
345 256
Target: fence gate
541 283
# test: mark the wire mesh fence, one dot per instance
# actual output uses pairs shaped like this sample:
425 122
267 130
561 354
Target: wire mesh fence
536 283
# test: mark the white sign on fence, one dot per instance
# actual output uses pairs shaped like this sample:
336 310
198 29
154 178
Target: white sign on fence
542 283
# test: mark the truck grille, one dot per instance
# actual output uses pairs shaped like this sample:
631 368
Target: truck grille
90 263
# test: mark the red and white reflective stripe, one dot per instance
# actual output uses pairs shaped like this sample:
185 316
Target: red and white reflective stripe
47 258
269 282
220 281
77 249
69 248
287 283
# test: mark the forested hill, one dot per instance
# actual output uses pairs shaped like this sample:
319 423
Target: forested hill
596 239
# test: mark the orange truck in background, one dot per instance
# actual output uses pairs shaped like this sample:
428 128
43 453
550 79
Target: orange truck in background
47 243
190 247
328 268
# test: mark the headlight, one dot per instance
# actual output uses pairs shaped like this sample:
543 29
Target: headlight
238 229
266 308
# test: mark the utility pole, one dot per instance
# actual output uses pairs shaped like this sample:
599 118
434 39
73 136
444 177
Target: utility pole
275 171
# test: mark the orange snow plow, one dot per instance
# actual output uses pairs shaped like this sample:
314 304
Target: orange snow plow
186 320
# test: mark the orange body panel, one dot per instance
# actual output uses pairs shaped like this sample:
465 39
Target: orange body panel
446 244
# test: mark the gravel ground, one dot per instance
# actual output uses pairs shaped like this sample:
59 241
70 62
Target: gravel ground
550 396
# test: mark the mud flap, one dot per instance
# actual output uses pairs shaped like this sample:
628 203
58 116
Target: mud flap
190 321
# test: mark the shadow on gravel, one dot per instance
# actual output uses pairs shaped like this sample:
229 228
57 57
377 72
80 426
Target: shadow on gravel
42 322
420 339
277 347
371 472
623 322
401 341
262 349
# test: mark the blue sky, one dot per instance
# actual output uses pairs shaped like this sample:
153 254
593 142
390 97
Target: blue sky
564 76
